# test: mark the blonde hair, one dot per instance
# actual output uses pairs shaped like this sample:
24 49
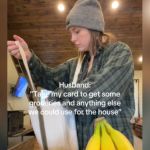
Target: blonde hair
98 40
95 43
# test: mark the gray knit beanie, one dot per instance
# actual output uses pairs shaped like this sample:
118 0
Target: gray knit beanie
86 13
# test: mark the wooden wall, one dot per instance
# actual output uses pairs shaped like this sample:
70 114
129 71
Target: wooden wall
43 27
3 75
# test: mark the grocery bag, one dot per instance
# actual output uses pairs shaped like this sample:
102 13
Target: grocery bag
60 128
53 132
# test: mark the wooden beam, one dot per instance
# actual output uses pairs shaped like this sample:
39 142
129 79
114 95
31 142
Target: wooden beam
3 75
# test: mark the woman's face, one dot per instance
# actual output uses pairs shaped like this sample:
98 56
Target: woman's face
80 37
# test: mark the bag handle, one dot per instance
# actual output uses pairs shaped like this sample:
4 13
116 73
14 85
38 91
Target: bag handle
41 119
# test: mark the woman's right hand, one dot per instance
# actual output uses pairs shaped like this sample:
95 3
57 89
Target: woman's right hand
13 49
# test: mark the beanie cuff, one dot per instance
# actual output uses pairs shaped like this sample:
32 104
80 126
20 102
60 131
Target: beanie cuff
85 23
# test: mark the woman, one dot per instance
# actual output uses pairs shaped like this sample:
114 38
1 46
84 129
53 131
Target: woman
108 68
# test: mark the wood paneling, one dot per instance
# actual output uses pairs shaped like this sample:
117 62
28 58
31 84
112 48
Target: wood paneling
43 27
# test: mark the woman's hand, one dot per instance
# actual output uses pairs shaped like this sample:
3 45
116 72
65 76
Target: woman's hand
13 49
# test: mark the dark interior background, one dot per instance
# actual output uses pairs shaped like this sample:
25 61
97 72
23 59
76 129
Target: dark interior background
43 27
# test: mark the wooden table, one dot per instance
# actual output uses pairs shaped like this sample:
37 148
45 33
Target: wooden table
22 141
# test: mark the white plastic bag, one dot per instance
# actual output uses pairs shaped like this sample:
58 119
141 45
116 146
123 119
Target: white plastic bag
60 129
